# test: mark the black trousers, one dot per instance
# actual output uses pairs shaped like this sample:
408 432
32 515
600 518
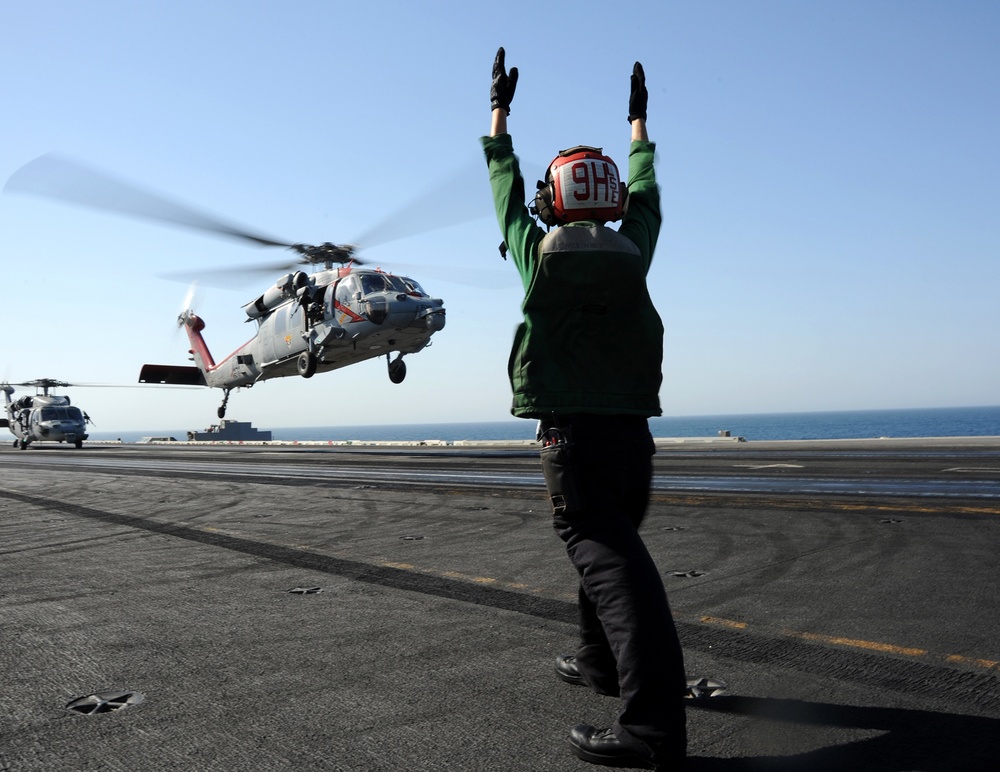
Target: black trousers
629 645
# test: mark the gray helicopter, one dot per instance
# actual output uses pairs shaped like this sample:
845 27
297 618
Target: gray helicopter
43 417
307 323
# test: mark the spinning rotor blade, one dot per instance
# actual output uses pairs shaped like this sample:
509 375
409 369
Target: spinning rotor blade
53 176
235 277
44 383
226 278
189 297
49 383
188 305
463 196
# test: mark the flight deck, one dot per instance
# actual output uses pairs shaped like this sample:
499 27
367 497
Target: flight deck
400 607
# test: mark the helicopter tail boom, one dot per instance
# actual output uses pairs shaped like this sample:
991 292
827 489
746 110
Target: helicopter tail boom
193 325
184 375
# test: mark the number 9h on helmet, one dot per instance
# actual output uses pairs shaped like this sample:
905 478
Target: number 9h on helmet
581 184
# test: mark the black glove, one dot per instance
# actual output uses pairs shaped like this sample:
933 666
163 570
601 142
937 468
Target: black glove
502 90
639 96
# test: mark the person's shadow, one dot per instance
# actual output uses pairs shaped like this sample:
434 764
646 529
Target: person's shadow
910 740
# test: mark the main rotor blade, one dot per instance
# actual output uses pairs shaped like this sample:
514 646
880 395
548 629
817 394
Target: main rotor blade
54 176
235 276
463 196
47 382
40 383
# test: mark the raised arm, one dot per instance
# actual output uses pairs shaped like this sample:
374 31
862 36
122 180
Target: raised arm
642 221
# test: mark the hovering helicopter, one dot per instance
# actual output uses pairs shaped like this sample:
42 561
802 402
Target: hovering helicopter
44 417
307 323
314 323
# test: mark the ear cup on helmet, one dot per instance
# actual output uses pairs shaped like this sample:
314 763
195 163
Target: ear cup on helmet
543 204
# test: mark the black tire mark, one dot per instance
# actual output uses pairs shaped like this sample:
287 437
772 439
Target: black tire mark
933 682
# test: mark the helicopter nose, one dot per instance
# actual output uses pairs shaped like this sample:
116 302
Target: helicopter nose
435 320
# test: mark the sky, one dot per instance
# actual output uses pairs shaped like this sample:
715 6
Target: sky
830 177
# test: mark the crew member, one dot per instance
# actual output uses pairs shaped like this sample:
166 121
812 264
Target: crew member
586 363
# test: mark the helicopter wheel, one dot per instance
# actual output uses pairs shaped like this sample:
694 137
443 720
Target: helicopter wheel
306 364
397 370
79 444
22 444
221 412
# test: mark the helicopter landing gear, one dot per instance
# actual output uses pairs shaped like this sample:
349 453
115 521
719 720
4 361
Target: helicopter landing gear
306 364
221 412
397 369
79 444
22 444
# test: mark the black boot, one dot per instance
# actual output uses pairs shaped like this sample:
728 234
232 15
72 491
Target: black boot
600 746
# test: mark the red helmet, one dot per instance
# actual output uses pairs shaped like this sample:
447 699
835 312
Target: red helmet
581 184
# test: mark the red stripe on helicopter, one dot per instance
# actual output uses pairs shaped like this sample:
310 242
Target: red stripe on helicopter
193 330
229 358
345 310
198 343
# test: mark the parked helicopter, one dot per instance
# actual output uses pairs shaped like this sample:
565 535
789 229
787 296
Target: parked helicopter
306 323
44 417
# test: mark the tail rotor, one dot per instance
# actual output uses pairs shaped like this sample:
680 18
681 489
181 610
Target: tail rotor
191 300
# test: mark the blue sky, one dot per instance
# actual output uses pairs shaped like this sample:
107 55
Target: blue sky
830 176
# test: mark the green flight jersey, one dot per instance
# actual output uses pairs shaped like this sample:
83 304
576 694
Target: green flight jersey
591 340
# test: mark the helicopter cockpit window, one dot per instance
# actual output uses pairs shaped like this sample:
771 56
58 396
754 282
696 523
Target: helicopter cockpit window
373 282
61 414
405 285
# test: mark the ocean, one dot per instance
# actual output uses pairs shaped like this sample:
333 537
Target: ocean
853 424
